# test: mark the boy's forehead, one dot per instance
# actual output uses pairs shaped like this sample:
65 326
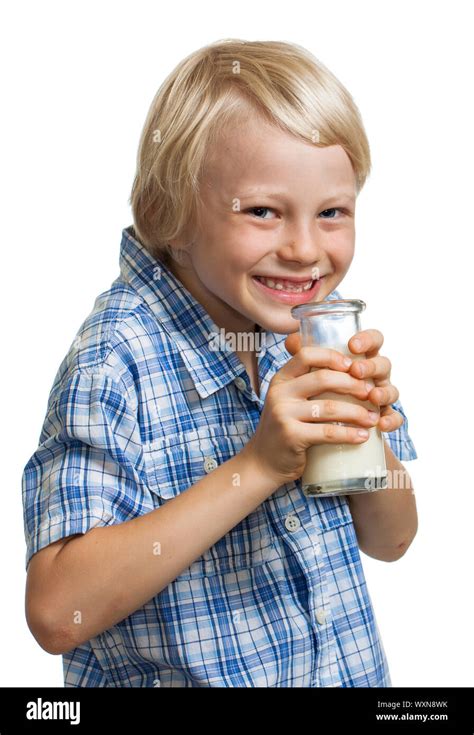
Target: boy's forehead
249 139
252 160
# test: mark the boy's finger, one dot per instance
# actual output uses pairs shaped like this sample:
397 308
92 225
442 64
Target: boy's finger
390 420
309 357
375 367
293 342
368 341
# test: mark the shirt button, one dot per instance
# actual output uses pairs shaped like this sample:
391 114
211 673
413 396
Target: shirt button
292 523
210 464
240 383
321 616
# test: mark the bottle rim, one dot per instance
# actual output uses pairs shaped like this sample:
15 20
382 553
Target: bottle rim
333 306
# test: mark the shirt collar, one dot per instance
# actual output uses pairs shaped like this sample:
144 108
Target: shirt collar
186 321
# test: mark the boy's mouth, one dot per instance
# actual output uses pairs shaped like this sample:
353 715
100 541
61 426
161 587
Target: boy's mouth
295 285
289 291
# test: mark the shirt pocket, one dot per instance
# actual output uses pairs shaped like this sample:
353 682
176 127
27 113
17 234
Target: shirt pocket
179 461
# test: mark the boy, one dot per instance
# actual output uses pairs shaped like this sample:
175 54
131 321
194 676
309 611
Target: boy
169 541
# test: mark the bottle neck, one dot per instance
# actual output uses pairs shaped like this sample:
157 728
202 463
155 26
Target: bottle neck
330 330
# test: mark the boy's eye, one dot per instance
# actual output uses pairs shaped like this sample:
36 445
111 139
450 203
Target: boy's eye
259 212
259 209
329 212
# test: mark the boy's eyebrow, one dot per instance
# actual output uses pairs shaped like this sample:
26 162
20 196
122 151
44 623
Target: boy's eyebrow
348 196
336 196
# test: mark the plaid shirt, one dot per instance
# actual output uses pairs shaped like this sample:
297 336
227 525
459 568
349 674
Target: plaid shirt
142 408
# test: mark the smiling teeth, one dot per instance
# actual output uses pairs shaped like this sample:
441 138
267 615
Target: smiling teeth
285 285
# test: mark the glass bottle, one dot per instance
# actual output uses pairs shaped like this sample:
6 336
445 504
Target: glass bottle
340 469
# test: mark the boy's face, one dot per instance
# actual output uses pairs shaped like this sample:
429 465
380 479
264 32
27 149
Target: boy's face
246 230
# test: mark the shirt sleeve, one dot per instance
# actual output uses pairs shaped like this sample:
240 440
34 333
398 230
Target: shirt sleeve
399 440
88 469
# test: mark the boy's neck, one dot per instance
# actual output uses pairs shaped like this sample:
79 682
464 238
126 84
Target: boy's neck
250 363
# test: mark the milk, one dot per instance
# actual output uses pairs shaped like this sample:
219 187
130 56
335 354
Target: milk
340 469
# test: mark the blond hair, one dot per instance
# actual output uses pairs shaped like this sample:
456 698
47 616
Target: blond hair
226 82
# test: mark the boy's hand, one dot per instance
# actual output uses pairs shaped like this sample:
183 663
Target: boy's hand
290 423
376 367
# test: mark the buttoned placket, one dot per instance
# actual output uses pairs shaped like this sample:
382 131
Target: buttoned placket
289 509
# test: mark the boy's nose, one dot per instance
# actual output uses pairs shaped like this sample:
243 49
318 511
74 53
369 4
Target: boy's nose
302 246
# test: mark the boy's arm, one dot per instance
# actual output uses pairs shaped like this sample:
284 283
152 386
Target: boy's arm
386 521
111 571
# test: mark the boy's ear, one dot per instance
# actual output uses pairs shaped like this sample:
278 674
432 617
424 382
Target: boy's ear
183 241
179 248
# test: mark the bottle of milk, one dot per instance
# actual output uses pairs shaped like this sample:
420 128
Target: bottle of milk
340 469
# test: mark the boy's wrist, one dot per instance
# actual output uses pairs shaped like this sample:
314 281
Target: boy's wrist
261 475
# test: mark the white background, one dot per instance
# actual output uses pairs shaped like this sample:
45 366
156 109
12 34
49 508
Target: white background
77 81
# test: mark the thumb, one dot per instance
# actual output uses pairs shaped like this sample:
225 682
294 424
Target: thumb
293 342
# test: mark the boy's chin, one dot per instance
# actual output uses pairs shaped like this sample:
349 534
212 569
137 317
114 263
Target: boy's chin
279 325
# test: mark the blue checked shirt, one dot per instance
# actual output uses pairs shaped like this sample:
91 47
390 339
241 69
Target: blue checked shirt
142 408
